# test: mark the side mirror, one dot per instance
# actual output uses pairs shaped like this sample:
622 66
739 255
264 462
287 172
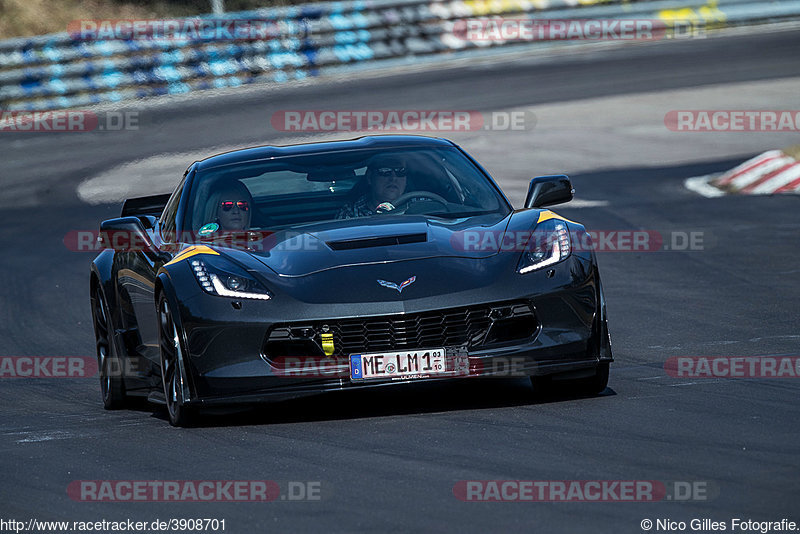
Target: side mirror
148 221
548 191
125 234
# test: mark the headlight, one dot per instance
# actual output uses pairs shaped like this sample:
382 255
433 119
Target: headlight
548 245
220 277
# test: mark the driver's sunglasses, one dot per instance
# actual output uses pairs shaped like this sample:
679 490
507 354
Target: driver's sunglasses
227 205
387 171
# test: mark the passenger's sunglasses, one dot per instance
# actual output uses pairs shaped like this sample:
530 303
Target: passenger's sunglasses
227 205
387 171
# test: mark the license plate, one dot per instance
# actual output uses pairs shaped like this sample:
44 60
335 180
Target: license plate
406 364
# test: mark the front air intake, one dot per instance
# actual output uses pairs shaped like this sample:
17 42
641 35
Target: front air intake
383 241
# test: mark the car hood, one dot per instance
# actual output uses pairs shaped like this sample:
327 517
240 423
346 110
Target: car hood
371 240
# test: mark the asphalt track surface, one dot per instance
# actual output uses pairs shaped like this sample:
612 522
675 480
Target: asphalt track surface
390 458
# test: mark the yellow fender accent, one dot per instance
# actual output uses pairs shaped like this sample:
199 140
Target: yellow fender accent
192 251
546 215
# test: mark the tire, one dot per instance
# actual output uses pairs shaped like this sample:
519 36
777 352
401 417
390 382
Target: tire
112 385
173 377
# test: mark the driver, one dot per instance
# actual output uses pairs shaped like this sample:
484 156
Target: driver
386 177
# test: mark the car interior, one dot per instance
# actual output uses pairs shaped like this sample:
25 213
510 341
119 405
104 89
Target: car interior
288 194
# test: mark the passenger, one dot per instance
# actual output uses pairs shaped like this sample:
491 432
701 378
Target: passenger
233 210
232 206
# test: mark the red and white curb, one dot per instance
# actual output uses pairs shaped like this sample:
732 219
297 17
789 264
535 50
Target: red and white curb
772 172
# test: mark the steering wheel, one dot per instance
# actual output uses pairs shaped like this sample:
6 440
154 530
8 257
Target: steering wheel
405 197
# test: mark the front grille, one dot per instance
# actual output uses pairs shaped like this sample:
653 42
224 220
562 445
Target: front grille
466 326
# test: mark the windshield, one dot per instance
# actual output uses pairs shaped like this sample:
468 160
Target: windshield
298 190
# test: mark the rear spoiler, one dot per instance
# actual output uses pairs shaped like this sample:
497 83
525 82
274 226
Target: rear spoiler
152 205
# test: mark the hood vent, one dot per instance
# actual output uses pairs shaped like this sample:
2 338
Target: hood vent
383 241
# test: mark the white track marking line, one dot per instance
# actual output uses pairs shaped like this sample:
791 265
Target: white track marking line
580 203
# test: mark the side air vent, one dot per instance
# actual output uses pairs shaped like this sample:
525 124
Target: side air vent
384 241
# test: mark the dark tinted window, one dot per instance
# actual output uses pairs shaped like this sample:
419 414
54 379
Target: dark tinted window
169 215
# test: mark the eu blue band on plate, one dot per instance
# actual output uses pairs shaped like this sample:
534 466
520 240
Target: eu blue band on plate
355 366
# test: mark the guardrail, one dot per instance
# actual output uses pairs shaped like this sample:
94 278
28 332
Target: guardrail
64 70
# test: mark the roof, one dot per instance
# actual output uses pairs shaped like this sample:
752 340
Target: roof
373 141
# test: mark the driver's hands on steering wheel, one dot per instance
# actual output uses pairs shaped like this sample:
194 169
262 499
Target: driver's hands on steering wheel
384 207
408 198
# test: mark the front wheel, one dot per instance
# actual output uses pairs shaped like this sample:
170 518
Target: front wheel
173 375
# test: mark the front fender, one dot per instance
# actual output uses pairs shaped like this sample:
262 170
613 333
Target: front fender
101 271
166 286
